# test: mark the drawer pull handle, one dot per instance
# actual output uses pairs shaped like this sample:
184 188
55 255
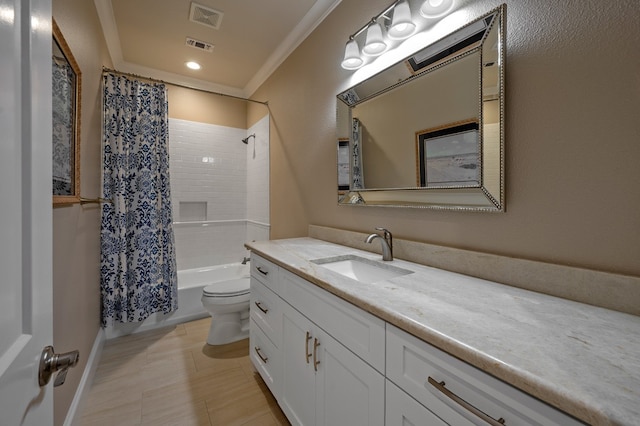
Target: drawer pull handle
263 272
306 347
316 343
262 357
264 311
440 386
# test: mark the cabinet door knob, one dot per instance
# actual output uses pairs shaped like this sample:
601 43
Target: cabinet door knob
306 347
440 386
316 343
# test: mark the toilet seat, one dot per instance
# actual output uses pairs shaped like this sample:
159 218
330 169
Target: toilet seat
229 288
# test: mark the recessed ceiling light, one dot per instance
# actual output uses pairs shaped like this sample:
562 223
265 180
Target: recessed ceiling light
193 65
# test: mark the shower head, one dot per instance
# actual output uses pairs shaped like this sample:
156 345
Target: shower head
246 140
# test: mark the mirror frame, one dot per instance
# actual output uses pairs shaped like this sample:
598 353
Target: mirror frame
74 141
462 198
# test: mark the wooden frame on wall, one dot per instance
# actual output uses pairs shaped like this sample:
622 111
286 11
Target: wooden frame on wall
66 102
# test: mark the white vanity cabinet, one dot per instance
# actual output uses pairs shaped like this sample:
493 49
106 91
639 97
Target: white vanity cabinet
457 392
328 362
324 383
325 349
265 329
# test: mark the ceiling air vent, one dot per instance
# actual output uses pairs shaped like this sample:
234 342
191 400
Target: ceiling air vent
202 45
205 16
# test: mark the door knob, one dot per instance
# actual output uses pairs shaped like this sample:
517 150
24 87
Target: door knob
51 362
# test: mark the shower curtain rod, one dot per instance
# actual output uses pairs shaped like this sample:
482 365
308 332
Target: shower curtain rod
155 80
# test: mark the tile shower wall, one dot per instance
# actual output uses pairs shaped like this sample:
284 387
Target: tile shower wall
209 186
258 182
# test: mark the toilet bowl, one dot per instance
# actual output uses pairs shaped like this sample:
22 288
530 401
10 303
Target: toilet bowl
228 304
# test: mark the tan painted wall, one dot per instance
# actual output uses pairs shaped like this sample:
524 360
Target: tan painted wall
203 107
572 138
76 229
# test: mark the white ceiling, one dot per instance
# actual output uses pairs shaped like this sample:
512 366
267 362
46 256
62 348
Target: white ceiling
147 37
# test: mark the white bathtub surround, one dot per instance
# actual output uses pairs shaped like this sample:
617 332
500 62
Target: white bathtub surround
209 243
220 191
582 359
258 173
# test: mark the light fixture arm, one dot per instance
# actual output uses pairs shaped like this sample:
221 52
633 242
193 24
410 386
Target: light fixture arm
382 14
389 29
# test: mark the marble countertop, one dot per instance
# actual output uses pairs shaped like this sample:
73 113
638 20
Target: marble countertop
579 358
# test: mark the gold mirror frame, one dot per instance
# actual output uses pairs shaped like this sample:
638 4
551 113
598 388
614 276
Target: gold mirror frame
66 95
488 194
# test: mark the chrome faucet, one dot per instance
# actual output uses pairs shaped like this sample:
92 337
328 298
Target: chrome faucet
245 260
386 241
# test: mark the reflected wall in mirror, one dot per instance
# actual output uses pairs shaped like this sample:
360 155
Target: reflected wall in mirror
414 117
66 89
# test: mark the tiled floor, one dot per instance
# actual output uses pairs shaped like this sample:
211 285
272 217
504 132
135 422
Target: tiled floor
172 377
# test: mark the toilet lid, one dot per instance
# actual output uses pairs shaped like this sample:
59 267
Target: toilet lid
229 288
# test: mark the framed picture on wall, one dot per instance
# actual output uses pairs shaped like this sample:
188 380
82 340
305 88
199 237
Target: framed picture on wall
449 156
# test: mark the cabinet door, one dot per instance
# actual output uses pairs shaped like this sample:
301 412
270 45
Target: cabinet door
298 378
348 390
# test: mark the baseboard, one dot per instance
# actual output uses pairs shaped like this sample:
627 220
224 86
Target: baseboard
82 392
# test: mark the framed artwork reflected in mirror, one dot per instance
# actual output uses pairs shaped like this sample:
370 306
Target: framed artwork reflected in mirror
66 90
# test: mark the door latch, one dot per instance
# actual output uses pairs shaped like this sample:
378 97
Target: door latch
51 362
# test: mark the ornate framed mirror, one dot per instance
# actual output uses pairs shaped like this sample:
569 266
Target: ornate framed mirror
428 131
66 90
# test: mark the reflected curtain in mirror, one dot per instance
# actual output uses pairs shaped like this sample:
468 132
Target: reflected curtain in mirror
66 80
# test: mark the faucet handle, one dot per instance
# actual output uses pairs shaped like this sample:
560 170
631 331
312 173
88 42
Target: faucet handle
387 233
388 237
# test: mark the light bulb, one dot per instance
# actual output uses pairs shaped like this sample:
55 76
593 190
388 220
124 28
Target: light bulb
193 65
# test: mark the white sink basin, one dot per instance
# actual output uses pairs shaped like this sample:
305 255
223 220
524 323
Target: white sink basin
361 269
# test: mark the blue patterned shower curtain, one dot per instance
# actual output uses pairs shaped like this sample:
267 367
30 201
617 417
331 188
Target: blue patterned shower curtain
138 266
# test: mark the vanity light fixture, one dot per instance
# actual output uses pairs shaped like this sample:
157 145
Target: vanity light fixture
435 8
352 59
398 27
401 26
375 45
193 65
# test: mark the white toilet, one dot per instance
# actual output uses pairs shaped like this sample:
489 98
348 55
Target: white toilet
228 304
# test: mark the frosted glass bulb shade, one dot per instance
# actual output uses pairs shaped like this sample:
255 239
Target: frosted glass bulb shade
435 8
352 59
375 44
401 26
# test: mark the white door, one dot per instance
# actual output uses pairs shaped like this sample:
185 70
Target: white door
25 210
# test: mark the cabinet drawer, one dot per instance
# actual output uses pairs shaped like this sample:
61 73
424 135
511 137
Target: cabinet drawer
411 361
359 331
264 271
266 311
402 410
266 358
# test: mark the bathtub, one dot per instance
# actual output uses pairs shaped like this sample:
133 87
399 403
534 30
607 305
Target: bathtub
190 285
